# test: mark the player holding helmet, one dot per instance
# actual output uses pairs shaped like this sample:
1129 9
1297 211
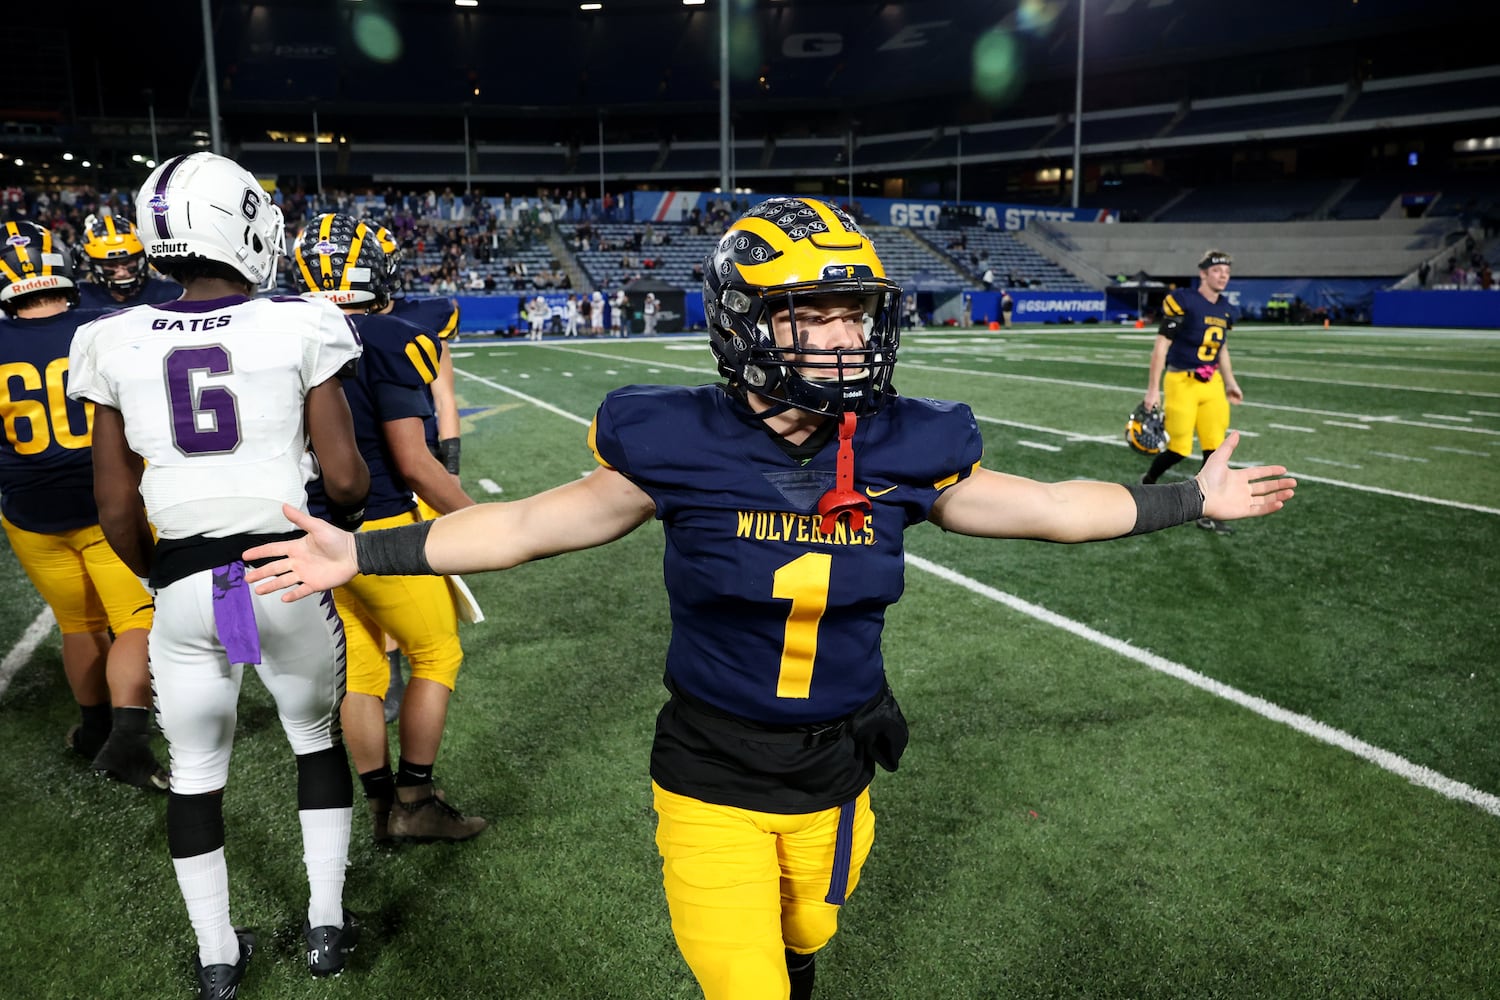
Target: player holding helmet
204 410
1192 349
784 494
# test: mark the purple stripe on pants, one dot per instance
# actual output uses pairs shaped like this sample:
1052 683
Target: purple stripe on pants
234 614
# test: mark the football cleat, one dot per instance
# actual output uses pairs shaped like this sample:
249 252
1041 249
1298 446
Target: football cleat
128 758
327 947
423 815
1145 430
222 982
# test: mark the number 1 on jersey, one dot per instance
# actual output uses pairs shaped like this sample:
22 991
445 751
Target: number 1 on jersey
804 582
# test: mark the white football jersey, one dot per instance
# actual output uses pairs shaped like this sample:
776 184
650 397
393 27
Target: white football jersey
212 394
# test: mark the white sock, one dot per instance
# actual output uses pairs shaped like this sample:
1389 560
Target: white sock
204 880
325 852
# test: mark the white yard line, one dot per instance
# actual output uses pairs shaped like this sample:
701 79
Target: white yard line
1329 461
1294 427
1038 445
1344 423
20 653
1414 773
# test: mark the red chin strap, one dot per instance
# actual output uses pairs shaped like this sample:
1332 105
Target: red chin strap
844 498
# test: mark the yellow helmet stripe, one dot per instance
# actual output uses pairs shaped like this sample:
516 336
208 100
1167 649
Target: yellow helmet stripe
354 245
22 255
307 277
325 265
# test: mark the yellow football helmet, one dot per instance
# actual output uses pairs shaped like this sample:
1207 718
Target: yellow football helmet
781 252
339 258
32 260
115 254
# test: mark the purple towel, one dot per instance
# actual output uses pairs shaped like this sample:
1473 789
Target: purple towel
234 614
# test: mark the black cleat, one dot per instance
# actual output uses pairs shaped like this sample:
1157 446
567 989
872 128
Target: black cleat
128 759
222 982
1215 525
328 946
83 742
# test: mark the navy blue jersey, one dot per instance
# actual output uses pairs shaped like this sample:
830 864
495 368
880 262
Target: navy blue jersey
772 620
440 315
398 362
46 458
1200 336
155 292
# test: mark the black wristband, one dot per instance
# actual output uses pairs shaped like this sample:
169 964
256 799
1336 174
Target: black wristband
448 454
348 516
394 551
1158 507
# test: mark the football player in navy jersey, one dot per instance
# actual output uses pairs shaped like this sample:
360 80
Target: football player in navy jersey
48 511
117 263
204 410
784 494
1190 359
340 259
438 316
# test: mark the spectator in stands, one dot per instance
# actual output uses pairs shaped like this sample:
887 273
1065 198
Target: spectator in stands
1422 274
1007 307
988 278
1191 361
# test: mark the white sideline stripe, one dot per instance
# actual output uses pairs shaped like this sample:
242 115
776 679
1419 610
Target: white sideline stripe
1400 766
1294 427
1303 477
1460 451
1329 461
490 486
1483 413
20 653
1038 445
1444 416
1399 458
1340 423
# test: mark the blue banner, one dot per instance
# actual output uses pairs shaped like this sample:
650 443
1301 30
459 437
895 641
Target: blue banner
1469 310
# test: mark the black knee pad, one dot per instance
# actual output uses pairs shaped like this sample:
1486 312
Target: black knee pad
323 780
195 824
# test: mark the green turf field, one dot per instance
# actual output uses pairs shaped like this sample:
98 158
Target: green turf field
1179 765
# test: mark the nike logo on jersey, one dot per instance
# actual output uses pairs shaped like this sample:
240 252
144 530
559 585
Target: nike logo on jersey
873 492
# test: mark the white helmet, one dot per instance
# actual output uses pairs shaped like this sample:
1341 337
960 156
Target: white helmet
205 205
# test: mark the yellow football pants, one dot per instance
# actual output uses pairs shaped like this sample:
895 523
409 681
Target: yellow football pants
1190 405
85 584
417 611
743 886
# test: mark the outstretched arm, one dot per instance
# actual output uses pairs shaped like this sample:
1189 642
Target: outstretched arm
994 505
599 508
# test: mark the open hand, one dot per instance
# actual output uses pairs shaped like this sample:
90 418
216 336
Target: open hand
318 561
1230 494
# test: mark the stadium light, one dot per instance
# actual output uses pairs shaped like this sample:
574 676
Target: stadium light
591 6
466 3
68 157
693 3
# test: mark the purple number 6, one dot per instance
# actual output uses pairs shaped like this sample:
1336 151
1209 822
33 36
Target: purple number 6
209 424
